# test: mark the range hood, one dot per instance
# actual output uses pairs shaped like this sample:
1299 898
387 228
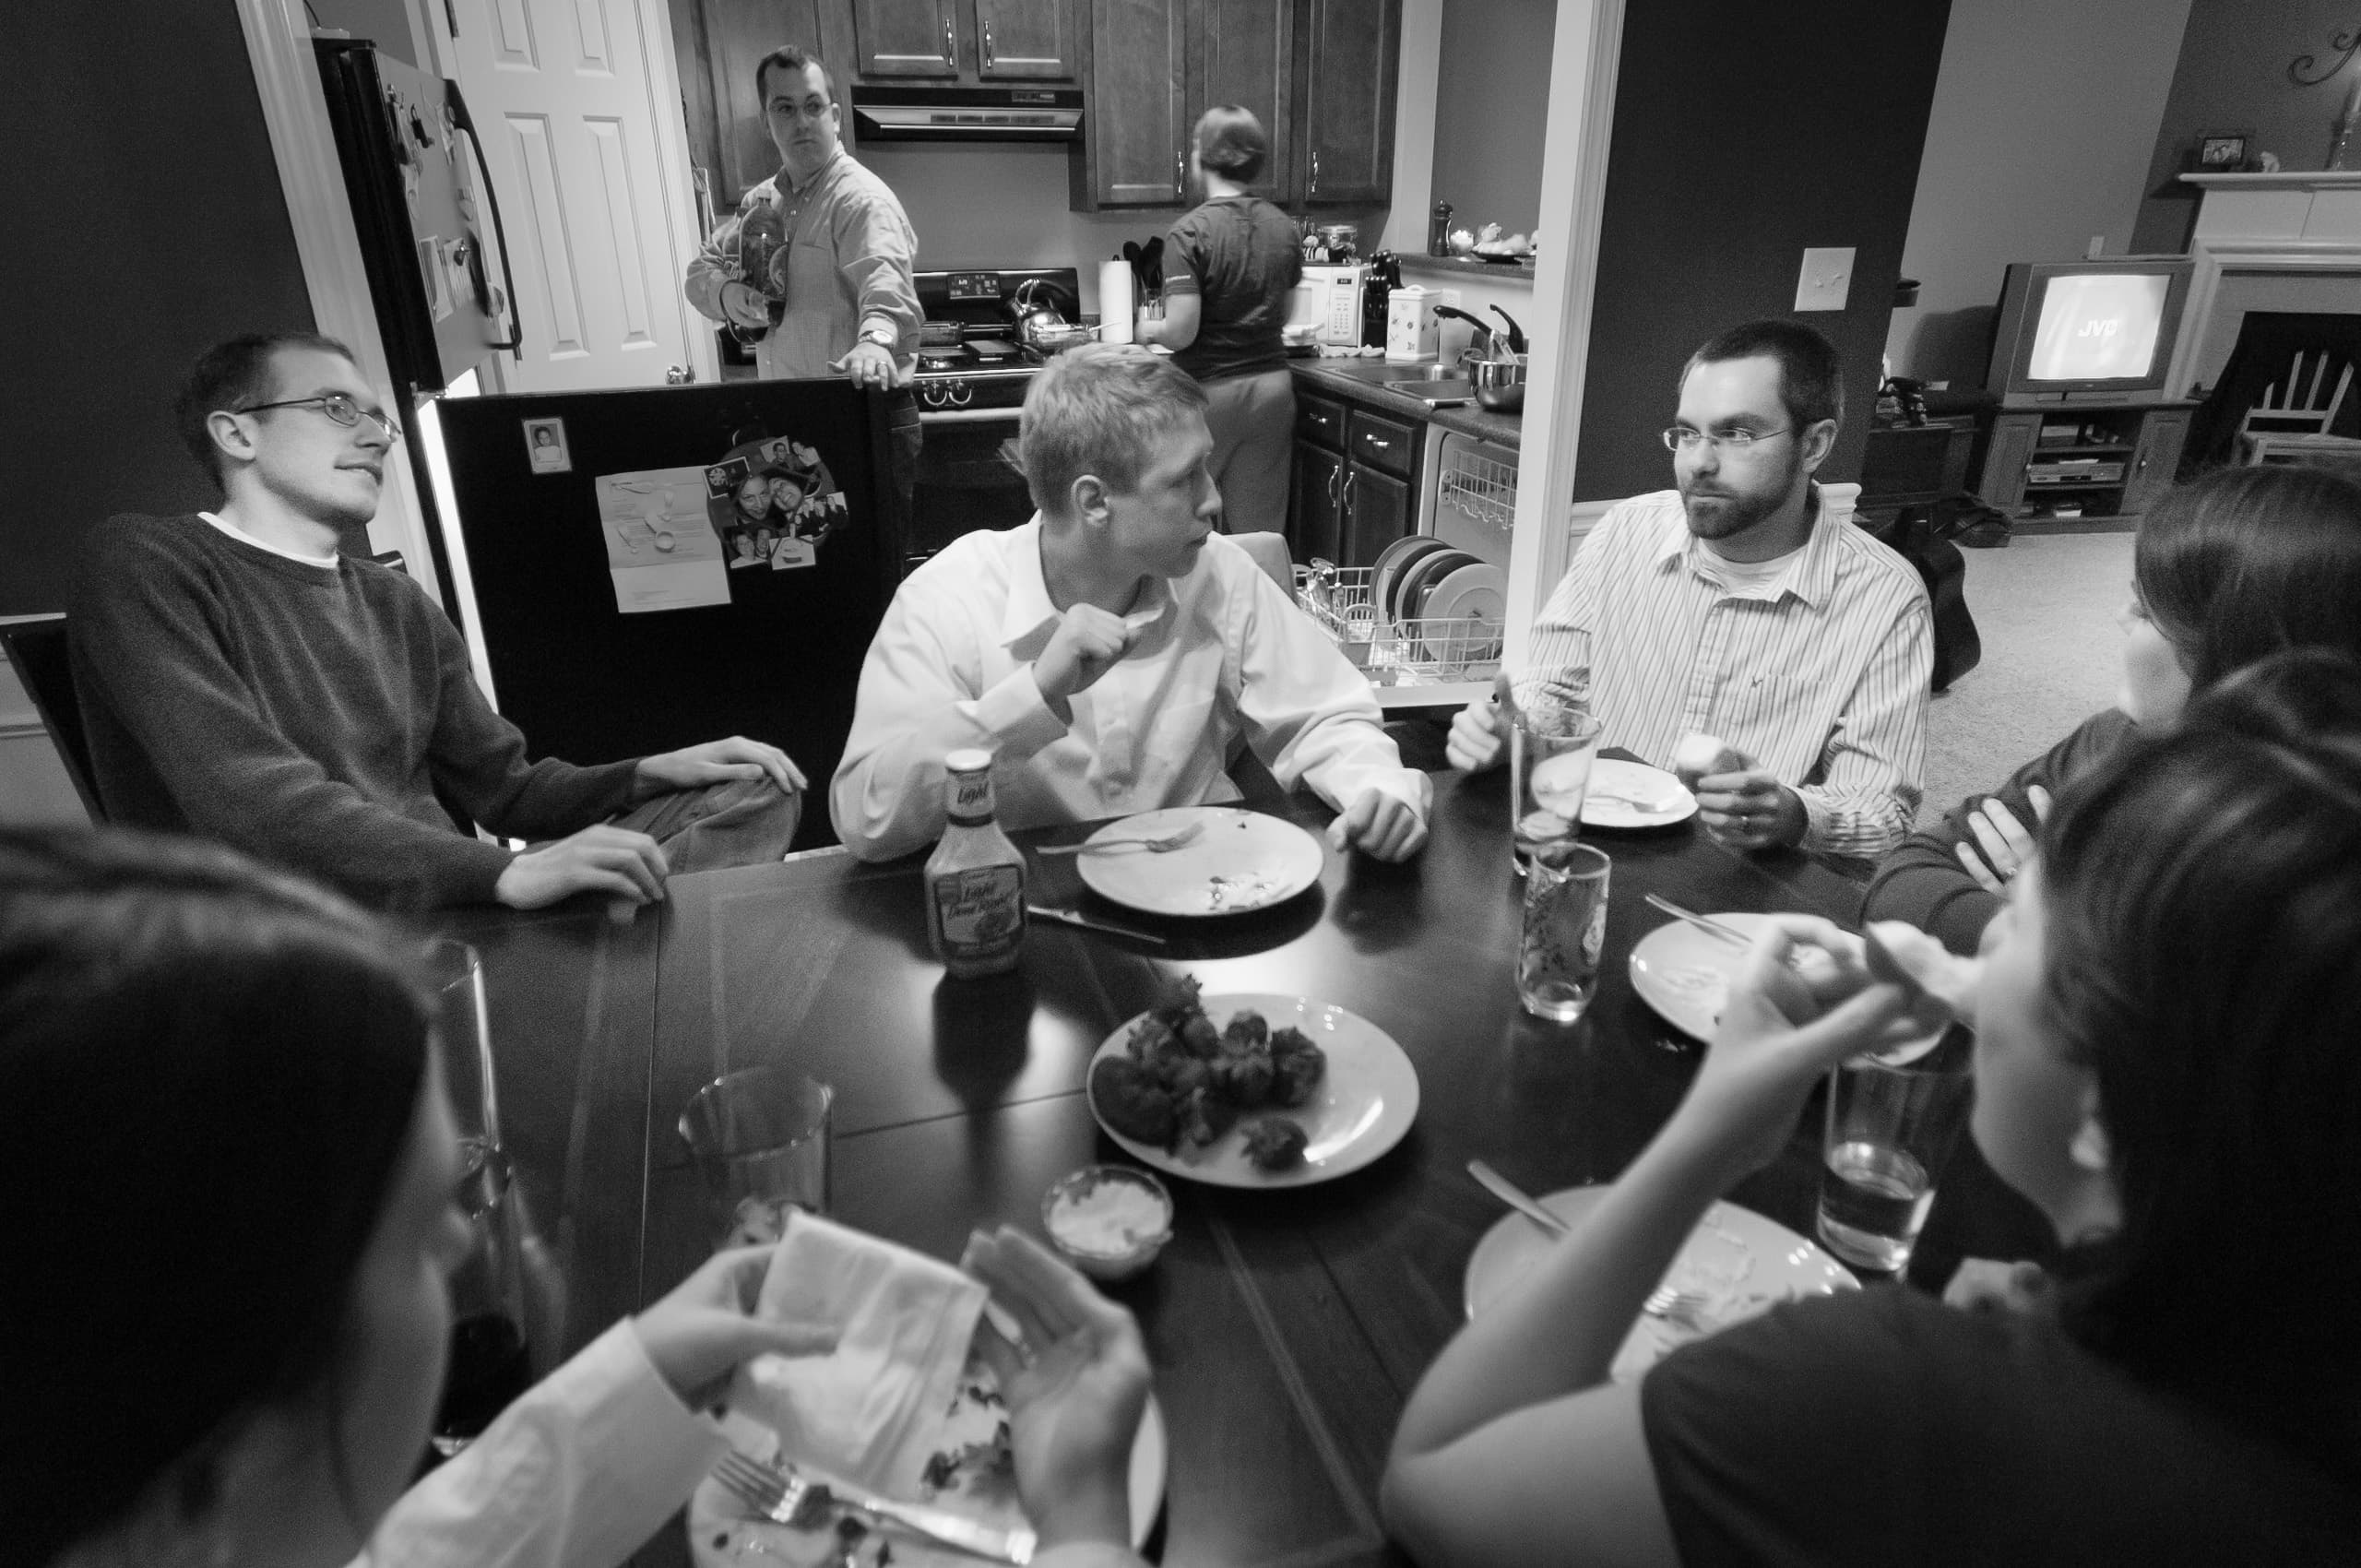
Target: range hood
967 114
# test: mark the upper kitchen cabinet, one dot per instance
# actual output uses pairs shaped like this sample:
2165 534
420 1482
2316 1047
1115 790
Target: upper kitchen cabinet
718 43
969 40
1352 52
1319 74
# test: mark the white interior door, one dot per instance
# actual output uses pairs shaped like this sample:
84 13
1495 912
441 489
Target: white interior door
579 106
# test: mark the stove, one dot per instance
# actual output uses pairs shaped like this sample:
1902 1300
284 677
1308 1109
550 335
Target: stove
971 384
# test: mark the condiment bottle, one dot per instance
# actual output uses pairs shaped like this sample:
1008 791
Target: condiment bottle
975 879
1438 229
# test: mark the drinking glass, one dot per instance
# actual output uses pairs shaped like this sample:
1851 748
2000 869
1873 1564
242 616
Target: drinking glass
1565 924
1550 752
489 1363
1891 1122
760 1137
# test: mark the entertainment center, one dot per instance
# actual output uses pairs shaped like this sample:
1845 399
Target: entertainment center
2080 356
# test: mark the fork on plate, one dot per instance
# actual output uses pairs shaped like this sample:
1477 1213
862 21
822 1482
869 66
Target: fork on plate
785 1496
1108 846
1684 1310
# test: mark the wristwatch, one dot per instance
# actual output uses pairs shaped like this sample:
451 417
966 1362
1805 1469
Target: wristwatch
883 337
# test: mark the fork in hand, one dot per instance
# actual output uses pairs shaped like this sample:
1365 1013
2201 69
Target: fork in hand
1107 845
786 1497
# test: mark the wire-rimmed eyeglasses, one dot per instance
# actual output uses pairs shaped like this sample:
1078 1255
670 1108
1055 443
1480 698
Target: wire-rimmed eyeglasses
1680 438
339 406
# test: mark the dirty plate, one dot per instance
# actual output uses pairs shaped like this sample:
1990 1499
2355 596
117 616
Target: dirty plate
1239 861
1632 794
1736 1262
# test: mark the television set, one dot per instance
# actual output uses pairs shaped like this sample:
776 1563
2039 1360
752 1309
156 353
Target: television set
2087 331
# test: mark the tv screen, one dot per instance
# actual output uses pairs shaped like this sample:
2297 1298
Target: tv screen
2102 327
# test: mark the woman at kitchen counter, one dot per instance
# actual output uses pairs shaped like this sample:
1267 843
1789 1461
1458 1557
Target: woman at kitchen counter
1229 265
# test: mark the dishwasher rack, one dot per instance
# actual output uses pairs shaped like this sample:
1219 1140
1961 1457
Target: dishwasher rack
1431 652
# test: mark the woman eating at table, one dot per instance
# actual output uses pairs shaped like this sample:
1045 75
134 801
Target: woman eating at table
1230 267
2226 569
2165 1018
228 1183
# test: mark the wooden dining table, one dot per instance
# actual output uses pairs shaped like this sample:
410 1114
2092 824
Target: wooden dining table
1287 1327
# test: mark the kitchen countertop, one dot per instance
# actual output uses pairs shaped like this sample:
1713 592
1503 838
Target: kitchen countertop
1363 382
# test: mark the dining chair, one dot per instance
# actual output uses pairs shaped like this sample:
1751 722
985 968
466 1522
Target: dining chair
2292 419
36 648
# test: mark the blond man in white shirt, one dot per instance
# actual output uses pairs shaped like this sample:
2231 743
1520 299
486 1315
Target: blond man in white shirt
1114 649
1736 607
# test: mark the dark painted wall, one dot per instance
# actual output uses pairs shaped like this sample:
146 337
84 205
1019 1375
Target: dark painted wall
145 222
2233 77
1491 96
1741 136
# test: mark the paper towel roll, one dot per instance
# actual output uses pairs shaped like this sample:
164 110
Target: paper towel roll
1115 304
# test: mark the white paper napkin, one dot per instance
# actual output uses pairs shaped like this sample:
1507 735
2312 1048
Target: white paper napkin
870 1413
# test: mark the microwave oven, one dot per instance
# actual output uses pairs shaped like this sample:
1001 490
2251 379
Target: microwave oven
1329 299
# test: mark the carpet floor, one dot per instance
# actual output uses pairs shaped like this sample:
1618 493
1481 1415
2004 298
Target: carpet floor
2045 610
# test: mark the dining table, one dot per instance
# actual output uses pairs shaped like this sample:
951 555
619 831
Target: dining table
1287 1327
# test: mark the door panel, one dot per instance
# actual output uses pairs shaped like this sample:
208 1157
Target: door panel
1376 513
597 219
738 34
1312 511
906 38
1023 39
1352 50
2155 460
1139 125
1247 58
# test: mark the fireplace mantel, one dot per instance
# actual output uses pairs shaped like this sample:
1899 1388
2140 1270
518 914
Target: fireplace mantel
2284 222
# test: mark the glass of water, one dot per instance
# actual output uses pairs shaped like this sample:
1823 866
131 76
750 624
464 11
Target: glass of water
1551 748
1891 1122
761 1141
1565 926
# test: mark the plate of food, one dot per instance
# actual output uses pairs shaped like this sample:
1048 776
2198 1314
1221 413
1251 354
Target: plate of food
1684 973
1252 1090
1632 794
1234 860
970 1474
1735 1266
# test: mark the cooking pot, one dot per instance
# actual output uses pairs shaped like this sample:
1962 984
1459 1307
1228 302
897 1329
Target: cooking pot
1498 383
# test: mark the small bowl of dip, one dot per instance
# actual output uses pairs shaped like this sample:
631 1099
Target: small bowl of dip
1107 1221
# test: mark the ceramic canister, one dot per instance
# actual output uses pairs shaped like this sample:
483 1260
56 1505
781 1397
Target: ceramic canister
1410 325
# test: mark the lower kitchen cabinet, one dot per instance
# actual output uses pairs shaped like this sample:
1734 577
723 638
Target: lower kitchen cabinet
1376 512
1315 530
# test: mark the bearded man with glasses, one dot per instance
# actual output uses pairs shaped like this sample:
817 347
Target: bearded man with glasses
242 679
1734 606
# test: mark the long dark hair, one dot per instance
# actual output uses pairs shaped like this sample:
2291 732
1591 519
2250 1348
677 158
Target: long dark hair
2203 895
2244 562
208 1072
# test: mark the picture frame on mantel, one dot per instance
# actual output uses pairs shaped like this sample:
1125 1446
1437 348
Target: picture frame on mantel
2223 152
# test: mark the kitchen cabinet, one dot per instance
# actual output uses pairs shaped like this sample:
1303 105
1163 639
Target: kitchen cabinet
718 44
1351 60
1319 74
1315 510
1376 512
1352 484
978 40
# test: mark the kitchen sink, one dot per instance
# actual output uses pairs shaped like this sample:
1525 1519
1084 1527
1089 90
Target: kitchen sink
1428 371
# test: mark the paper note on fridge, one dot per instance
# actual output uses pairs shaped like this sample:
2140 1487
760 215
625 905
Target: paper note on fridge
662 549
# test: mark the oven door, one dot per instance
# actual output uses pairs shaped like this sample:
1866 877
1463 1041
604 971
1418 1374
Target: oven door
968 478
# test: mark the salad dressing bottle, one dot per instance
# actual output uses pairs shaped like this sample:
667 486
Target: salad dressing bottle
975 879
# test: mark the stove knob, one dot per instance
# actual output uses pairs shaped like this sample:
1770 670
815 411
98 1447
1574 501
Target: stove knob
961 395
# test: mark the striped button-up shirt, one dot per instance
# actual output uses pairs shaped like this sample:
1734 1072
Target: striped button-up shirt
1820 676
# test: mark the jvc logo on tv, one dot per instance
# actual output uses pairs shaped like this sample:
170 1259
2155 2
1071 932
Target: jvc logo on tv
2107 327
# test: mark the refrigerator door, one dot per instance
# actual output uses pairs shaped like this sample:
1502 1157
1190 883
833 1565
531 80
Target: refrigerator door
657 568
414 182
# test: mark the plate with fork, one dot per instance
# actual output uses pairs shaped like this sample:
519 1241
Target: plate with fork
1735 1266
1200 860
731 1520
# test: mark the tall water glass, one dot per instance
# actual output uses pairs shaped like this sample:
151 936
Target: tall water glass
1891 1122
760 1137
1565 926
489 1361
1550 752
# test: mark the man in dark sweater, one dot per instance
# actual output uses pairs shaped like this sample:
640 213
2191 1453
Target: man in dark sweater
241 680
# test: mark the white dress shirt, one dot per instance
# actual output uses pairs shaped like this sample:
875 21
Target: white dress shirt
1223 655
578 1473
1820 675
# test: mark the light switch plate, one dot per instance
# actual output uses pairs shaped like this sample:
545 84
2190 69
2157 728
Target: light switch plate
1447 297
1827 278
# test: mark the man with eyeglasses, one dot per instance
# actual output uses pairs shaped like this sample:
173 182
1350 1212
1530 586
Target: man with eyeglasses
1734 606
242 679
836 294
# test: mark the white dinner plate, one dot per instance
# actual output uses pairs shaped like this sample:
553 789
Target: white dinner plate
1391 562
1240 861
1684 973
1365 1100
1476 594
722 1536
1740 1263
1632 794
